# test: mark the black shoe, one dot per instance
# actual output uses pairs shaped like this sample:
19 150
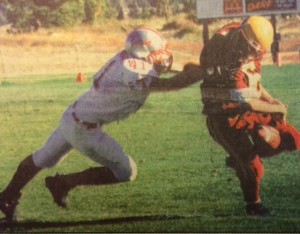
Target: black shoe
58 190
8 205
257 209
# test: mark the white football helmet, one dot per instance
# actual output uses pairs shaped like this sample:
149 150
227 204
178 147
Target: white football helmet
147 43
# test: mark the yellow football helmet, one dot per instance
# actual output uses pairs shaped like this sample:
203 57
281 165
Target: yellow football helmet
259 32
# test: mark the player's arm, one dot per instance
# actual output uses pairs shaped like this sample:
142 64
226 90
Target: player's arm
267 103
266 107
191 74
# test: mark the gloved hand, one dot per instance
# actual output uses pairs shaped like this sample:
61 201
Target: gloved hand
191 67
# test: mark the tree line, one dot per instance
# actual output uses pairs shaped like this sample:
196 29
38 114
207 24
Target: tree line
31 14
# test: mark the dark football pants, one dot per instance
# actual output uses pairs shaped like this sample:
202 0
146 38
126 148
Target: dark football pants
248 166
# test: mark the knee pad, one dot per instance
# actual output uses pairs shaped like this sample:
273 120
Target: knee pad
265 138
290 138
269 142
133 169
270 135
126 171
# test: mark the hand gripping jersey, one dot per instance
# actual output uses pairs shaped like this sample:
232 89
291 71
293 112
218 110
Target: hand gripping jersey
230 79
119 89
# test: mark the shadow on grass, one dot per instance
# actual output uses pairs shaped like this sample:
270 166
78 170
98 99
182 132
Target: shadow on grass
40 225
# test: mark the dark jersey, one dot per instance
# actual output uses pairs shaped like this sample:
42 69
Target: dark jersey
231 78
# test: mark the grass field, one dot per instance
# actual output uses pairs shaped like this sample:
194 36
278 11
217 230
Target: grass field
182 184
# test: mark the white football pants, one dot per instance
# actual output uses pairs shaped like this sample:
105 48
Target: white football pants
94 143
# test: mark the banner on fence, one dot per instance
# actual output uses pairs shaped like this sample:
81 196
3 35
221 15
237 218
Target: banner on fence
238 8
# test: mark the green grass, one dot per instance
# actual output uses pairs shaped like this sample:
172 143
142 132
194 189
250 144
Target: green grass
182 184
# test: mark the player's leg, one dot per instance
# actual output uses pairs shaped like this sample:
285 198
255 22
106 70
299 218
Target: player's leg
53 150
290 137
10 196
248 167
270 141
116 166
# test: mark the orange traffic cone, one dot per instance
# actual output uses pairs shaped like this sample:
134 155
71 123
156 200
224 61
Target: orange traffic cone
80 78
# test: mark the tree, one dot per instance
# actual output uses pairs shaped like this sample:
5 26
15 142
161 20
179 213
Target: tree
90 11
68 13
20 13
164 8
27 14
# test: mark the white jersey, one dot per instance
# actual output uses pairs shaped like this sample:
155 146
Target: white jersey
119 89
253 91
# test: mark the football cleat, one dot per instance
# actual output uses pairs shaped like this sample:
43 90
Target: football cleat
257 209
8 205
58 190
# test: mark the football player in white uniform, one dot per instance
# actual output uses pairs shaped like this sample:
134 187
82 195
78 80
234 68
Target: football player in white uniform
119 89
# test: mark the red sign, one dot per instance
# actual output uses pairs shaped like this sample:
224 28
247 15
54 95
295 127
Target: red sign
233 6
270 5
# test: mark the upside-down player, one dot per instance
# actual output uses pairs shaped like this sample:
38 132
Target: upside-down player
241 115
119 89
